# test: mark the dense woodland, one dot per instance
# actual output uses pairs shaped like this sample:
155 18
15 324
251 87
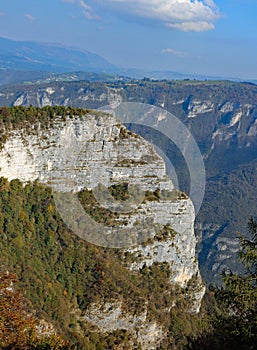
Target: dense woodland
55 276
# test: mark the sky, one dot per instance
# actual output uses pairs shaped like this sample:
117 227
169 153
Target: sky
210 37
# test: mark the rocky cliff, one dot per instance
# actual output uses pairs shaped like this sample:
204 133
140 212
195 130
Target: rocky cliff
74 153
221 115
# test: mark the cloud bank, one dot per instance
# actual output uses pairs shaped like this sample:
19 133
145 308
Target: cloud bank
184 15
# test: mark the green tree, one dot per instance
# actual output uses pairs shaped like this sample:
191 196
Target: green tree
239 295
234 318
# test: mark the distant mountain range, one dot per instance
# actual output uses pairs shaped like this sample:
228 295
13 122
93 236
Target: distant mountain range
27 61
33 56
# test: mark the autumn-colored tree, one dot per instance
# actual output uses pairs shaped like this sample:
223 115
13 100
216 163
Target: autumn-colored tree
18 328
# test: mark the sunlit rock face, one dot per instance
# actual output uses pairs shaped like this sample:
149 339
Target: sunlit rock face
83 152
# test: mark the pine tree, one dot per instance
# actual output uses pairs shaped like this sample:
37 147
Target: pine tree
232 324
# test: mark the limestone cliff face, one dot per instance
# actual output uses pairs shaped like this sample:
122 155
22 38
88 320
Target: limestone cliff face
78 153
84 151
110 317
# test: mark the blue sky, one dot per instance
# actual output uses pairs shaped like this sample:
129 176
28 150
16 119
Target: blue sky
201 37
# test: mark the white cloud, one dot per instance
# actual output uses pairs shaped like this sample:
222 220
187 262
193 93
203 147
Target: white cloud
90 16
30 17
192 26
185 15
88 12
85 6
210 3
174 52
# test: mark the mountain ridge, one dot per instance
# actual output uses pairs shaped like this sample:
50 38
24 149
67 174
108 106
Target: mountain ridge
32 56
35 56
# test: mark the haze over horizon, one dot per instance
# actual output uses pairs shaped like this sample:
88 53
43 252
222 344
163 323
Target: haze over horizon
195 37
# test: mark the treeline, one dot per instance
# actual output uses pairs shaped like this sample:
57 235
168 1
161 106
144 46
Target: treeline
20 114
20 117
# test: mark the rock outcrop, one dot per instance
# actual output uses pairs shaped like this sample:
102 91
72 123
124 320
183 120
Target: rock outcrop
110 317
83 152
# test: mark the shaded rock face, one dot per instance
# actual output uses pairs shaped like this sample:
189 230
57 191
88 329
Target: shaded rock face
110 317
82 152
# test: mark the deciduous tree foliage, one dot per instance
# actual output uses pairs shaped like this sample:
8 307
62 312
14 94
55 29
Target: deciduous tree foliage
18 328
